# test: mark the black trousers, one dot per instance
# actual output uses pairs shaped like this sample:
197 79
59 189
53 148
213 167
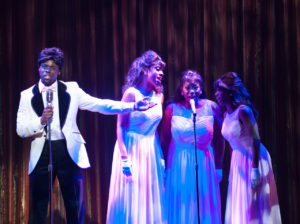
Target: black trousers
70 180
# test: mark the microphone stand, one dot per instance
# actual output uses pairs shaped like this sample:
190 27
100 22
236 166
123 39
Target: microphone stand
50 166
50 169
196 167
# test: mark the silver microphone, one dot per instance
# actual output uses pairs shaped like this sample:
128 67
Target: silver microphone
192 102
49 97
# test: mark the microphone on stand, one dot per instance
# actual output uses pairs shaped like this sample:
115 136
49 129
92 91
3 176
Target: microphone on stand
192 102
49 97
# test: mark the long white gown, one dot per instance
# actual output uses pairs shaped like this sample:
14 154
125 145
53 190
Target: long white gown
245 204
181 192
139 199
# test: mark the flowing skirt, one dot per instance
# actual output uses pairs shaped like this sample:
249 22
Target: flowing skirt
181 192
248 205
139 198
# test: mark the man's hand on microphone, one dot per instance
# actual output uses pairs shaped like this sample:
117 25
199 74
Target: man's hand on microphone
47 114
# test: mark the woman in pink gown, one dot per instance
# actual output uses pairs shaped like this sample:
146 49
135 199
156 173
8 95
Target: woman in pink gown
136 193
252 194
178 138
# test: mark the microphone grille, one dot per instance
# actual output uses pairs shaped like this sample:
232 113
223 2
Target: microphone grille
49 96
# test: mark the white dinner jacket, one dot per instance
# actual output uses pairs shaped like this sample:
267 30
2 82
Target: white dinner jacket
70 98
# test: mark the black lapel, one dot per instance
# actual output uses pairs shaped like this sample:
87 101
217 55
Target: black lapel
37 101
63 102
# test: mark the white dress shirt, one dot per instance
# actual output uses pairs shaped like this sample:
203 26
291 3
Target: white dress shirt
56 133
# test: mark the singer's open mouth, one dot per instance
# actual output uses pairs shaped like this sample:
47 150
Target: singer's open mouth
47 77
158 79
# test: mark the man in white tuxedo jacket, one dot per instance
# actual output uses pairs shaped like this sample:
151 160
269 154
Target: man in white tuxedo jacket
69 155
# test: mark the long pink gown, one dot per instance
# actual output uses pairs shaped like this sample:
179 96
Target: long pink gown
139 199
245 204
181 179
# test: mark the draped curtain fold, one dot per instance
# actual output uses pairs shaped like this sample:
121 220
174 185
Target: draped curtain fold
258 39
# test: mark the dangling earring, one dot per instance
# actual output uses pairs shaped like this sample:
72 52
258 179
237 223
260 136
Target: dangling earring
145 71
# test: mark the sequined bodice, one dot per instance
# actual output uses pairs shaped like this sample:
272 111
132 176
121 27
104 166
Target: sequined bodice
234 132
183 126
146 122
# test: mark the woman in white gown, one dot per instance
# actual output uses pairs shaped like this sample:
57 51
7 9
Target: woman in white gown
178 138
136 193
252 194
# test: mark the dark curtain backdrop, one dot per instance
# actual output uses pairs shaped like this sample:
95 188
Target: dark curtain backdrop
259 39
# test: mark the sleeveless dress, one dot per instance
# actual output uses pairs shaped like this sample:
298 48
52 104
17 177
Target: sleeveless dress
181 192
139 198
246 204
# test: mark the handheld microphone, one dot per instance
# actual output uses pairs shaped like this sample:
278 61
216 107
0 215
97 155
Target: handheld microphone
192 102
49 97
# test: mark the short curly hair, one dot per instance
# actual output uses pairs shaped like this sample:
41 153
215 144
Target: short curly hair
189 75
135 73
54 54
